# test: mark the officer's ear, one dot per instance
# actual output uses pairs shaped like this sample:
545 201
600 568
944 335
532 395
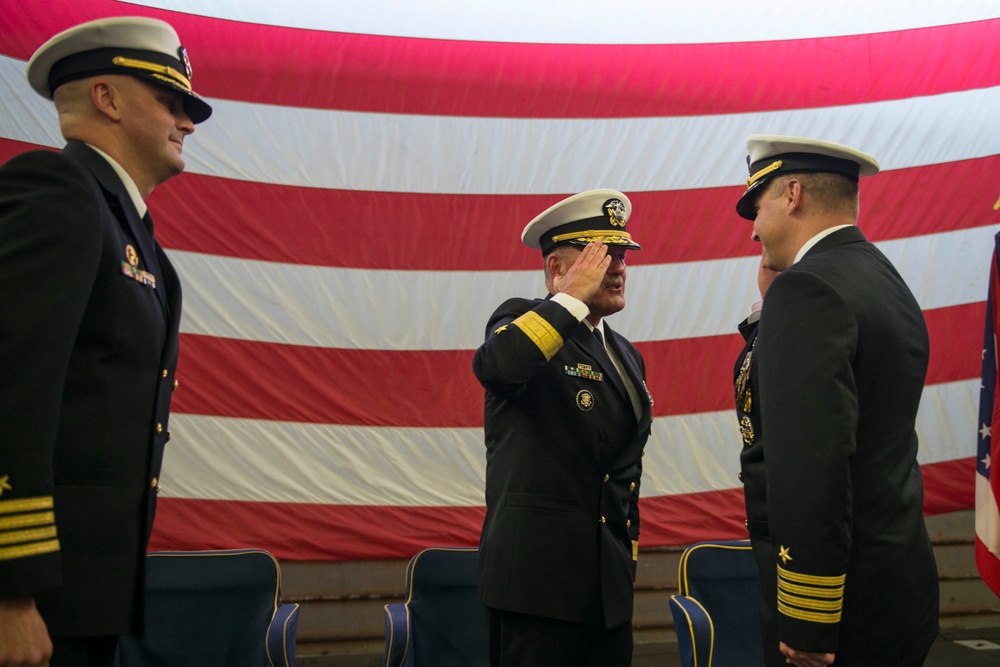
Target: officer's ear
554 264
106 98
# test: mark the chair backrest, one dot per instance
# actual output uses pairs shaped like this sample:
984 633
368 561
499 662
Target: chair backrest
220 608
722 577
446 623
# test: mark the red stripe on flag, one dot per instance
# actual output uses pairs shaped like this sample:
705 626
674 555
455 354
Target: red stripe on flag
955 342
308 68
302 531
949 486
417 231
390 387
988 565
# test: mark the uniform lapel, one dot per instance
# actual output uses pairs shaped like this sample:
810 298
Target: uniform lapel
592 346
634 374
128 216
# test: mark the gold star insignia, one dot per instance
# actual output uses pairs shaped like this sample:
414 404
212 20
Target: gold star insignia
501 329
784 555
5 484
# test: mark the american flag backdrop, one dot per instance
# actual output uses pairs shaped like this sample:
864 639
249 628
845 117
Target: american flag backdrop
987 484
350 217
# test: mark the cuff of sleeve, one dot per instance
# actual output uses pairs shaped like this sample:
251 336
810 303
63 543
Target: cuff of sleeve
576 308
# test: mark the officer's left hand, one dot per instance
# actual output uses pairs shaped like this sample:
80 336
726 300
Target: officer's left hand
804 658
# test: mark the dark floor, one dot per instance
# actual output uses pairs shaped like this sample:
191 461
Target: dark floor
957 648
954 648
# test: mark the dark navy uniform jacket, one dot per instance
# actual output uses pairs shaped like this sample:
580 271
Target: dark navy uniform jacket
89 312
563 462
833 491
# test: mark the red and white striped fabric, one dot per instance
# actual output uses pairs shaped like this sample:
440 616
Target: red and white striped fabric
350 217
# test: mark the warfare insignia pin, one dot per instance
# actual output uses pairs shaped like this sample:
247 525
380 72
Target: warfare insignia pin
585 400
131 255
616 212
746 430
743 381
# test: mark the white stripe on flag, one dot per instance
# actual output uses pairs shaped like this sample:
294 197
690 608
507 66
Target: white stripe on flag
436 154
632 22
419 310
240 459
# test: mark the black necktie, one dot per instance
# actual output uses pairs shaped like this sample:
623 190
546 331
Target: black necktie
620 372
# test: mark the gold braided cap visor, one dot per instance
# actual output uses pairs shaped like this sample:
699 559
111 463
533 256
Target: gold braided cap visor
152 66
764 170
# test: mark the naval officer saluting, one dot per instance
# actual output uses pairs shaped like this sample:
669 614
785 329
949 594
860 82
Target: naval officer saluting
567 416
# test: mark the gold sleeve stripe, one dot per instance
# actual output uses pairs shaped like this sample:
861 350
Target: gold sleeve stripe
24 550
32 535
26 504
541 333
831 593
813 579
23 520
810 603
812 617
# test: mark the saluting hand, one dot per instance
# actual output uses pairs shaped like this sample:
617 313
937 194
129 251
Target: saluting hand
586 275
765 277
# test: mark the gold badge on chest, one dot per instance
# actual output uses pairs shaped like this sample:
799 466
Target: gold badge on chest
744 400
131 255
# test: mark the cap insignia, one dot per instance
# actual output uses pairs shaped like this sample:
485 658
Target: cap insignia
616 212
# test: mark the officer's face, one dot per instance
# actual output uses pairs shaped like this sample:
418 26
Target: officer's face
610 296
156 124
773 229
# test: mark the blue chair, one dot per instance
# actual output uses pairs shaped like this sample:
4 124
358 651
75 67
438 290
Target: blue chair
441 623
715 613
220 608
